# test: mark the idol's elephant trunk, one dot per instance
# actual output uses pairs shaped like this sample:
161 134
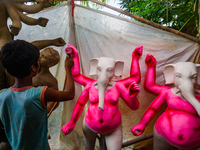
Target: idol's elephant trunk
102 85
188 92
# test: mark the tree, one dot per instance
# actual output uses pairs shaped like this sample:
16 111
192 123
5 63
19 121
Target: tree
181 15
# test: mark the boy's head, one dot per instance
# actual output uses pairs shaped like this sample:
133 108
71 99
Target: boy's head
49 57
18 56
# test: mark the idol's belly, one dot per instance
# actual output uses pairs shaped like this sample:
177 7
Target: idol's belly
103 121
179 128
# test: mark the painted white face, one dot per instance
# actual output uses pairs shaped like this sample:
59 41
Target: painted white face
185 72
105 68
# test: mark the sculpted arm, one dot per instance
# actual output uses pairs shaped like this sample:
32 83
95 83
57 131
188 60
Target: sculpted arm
135 68
80 104
148 115
78 77
16 22
150 79
21 1
32 21
33 8
40 44
129 96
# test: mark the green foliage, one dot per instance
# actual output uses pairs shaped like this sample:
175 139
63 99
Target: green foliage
181 15
93 5
59 2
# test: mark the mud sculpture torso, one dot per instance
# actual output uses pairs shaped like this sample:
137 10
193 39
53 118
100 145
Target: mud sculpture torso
14 9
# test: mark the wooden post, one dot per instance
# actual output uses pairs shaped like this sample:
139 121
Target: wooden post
72 41
72 37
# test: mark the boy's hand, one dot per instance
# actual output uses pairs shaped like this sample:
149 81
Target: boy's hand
69 63
74 50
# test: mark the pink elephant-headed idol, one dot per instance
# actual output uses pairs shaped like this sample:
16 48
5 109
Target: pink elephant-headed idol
179 125
103 115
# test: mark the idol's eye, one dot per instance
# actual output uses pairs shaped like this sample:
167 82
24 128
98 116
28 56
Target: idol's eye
110 70
178 75
194 76
98 68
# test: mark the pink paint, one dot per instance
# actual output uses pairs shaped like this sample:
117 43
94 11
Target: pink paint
180 123
68 50
108 119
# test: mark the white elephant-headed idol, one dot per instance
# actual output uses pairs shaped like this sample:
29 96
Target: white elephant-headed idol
103 115
179 125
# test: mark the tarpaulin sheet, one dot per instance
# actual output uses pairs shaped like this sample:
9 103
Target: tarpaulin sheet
102 34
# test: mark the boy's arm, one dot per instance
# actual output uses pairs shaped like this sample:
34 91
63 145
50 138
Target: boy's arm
69 80
40 44
52 95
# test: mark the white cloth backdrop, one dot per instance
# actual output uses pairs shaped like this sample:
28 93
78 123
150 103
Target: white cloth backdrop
101 34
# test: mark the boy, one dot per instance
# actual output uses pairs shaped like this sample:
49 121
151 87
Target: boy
22 106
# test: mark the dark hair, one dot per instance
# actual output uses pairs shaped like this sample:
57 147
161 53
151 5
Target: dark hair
18 56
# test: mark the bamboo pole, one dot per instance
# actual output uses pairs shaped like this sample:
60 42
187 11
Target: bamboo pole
149 22
72 41
144 21
72 38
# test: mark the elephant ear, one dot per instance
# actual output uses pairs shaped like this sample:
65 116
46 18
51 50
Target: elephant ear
198 73
119 66
93 66
169 73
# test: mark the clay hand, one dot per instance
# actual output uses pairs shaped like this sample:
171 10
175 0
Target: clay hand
48 3
138 129
68 128
59 42
137 52
42 21
14 30
150 61
134 89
